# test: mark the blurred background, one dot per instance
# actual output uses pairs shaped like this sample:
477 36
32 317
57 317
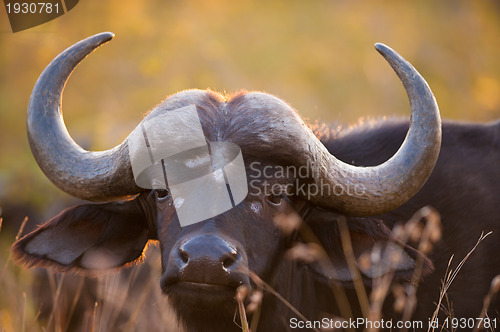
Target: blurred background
316 55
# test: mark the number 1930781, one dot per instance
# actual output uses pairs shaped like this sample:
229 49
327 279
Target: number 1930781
32 8
462 323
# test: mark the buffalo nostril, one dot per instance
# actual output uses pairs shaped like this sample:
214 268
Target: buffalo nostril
229 259
184 256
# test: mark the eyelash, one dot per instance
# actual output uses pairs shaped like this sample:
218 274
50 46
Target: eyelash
271 199
160 193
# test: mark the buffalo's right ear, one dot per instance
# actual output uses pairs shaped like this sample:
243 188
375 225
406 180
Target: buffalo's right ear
87 238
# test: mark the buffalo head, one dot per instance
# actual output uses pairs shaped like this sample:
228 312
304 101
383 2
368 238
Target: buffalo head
204 263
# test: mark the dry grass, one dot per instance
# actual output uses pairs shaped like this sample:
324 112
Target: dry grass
127 301
450 277
131 300
423 230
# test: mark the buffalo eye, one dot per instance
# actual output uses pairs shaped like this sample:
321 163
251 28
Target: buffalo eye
162 194
274 200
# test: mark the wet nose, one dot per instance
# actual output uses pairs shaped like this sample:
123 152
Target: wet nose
209 253
206 259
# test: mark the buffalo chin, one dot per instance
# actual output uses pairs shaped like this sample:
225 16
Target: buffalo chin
202 297
201 306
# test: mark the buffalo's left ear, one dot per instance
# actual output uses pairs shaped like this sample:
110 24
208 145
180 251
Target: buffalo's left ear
376 252
87 238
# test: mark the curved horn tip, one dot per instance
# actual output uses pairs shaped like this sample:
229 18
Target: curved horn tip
103 37
383 49
379 46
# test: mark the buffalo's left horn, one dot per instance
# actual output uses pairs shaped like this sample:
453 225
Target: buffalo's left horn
91 175
382 188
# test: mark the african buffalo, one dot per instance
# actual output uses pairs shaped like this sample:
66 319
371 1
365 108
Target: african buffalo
371 177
